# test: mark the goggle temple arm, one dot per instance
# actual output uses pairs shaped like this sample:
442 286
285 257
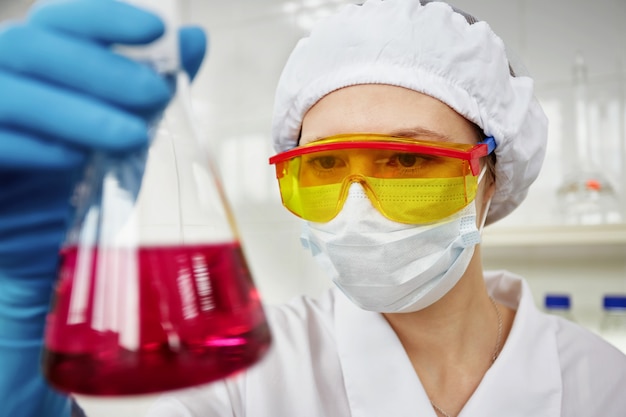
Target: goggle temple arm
479 151
491 144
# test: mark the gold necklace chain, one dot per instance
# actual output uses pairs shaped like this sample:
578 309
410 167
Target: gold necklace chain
496 352
443 413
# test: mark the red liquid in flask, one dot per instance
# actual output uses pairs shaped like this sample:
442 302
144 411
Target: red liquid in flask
152 319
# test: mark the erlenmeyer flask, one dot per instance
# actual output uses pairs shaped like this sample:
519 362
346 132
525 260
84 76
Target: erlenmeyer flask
153 291
586 195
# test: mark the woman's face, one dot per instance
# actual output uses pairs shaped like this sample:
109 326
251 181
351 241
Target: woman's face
397 111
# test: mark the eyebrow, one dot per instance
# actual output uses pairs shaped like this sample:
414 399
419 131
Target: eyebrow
413 133
421 133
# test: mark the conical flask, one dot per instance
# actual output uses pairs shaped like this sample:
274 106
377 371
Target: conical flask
153 292
586 196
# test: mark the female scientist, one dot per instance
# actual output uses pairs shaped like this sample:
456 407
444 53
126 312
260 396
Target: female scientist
401 128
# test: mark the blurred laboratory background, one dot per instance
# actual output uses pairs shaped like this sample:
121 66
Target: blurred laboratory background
569 236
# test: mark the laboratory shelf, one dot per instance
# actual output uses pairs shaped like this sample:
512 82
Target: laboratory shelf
550 244
544 236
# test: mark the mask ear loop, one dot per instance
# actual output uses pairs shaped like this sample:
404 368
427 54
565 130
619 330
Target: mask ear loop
484 216
487 205
482 173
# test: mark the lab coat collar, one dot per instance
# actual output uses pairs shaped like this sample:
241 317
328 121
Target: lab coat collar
378 375
524 381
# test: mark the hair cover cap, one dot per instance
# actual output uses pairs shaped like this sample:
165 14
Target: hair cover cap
432 49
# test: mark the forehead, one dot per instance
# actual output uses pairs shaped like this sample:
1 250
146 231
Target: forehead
385 109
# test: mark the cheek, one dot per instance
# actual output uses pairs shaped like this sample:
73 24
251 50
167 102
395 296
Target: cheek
484 193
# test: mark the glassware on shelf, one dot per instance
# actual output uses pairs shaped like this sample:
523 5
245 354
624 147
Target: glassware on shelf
613 324
559 305
153 292
586 195
588 198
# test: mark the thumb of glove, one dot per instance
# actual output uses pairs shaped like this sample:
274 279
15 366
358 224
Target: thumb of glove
193 46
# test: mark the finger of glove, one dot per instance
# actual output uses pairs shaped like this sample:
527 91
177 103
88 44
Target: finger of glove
193 46
34 251
35 211
23 307
102 20
82 66
23 391
24 304
115 22
56 113
22 151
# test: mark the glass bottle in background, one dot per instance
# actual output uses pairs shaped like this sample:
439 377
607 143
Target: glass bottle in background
586 195
559 305
154 292
613 324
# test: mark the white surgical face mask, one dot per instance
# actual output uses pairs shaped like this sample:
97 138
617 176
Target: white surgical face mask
391 267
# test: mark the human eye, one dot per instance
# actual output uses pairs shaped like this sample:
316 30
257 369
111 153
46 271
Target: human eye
324 162
325 165
408 161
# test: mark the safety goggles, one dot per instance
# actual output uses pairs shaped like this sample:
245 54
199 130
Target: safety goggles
407 180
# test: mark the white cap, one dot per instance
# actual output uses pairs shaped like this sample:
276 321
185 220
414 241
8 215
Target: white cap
432 49
163 54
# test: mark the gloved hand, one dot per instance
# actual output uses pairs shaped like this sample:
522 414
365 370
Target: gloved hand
63 93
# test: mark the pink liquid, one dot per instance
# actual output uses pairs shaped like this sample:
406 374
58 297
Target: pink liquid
153 319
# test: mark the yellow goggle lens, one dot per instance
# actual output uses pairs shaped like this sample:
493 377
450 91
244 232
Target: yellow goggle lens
406 186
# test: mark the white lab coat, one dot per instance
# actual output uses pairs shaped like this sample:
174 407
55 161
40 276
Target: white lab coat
332 359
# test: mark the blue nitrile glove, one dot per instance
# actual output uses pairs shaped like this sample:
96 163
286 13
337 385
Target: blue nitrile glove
63 93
